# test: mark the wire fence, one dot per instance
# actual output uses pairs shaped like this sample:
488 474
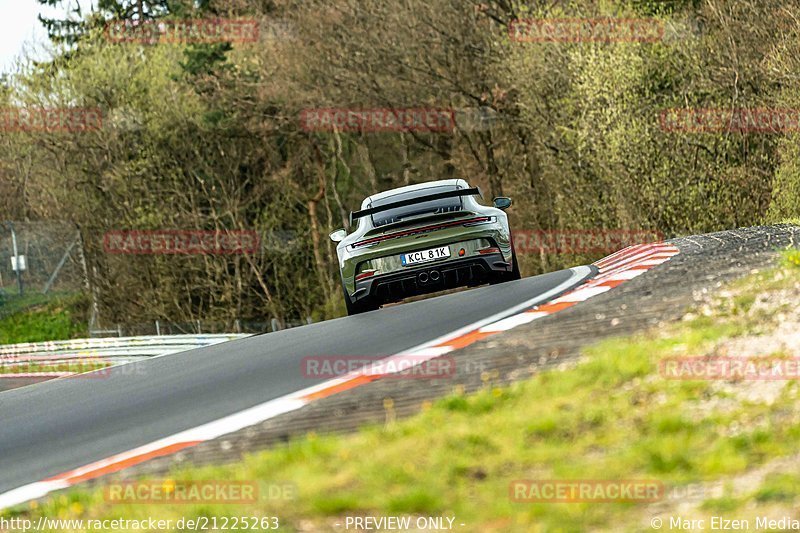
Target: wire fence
42 261
38 261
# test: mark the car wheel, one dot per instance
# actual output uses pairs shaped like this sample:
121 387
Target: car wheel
503 277
355 308
515 267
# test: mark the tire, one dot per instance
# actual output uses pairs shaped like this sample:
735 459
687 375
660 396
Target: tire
355 308
514 275
503 277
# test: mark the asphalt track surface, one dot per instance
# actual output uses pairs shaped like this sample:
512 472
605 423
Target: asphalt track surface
59 425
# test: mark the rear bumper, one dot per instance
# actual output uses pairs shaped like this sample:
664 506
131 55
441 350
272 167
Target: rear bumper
429 278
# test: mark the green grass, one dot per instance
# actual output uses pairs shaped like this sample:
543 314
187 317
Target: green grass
791 258
612 417
44 318
11 302
779 487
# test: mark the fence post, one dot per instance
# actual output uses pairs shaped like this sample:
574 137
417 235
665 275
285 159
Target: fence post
59 266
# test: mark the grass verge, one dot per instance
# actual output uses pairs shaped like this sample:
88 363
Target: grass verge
38 320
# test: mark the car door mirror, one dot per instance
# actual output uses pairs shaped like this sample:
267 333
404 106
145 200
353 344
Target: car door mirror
338 235
502 202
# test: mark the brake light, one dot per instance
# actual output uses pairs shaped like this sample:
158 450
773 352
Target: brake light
365 274
424 229
489 251
479 221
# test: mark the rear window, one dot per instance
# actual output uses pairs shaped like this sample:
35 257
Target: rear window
445 205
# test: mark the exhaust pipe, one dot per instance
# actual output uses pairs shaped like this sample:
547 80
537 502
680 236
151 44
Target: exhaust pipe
423 277
434 275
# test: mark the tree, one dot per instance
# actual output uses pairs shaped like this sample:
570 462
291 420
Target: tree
78 21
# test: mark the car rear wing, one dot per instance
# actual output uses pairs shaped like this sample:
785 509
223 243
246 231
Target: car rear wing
354 215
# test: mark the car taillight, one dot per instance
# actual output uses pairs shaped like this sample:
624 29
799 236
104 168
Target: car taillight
489 251
469 222
365 274
479 221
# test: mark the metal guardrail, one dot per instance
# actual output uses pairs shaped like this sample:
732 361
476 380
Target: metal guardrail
113 348
196 327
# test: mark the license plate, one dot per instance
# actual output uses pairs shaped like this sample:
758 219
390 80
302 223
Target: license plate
425 255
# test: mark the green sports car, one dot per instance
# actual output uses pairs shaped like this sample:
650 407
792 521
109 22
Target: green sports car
421 239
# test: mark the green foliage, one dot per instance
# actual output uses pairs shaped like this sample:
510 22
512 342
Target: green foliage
791 258
779 487
416 500
208 136
202 59
786 188
72 29
62 318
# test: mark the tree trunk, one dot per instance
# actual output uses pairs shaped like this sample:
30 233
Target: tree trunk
322 270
